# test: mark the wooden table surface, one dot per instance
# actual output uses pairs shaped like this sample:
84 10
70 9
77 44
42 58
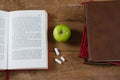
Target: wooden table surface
71 13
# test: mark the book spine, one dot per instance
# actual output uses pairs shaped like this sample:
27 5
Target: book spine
7 74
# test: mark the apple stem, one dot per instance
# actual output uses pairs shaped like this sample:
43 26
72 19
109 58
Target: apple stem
61 32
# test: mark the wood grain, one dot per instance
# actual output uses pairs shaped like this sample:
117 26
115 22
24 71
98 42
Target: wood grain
71 13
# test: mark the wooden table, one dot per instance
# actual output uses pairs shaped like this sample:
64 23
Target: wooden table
71 13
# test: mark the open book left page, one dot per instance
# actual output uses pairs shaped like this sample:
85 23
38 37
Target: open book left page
3 39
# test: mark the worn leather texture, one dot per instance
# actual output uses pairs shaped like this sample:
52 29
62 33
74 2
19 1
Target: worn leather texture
103 30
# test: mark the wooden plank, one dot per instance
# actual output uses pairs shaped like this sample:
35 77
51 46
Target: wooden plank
58 11
2 75
63 13
8 8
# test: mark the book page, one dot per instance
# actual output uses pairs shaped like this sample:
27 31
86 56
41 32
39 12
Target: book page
28 40
3 39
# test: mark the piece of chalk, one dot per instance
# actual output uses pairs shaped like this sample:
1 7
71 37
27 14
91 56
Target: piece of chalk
58 61
56 51
62 58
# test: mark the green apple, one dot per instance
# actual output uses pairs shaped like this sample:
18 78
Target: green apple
61 33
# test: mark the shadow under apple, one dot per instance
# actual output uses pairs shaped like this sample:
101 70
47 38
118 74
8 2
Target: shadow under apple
75 38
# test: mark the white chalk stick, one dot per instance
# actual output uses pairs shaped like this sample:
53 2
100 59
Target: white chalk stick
56 51
58 61
62 58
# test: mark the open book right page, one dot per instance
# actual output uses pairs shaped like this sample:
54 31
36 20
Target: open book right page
28 47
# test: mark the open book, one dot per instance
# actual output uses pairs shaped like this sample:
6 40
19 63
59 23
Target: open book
23 40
